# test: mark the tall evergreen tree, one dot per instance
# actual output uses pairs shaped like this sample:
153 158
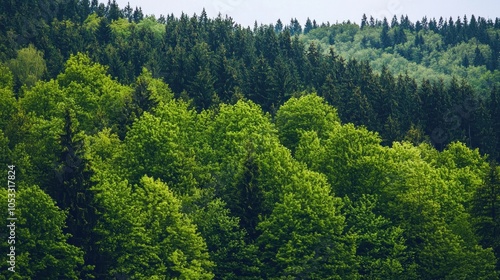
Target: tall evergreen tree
308 27
385 40
364 21
71 191
486 211
278 27
478 57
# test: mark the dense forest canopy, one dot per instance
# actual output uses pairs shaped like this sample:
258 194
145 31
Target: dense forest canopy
194 148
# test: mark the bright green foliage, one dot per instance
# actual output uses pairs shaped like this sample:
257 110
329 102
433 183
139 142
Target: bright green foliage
303 237
103 149
200 189
348 156
91 23
6 78
159 146
431 199
8 107
40 122
380 246
436 227
307 113
442 255
148 93
28 67
5 153
251 166
37 154
145 235
40 245
181 248
149 24
44 100
464 166
97 100
121 27
310 150
355 163
236 124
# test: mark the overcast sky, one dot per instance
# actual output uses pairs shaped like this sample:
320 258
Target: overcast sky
245 12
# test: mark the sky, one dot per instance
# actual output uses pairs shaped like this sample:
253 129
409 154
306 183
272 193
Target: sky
246 12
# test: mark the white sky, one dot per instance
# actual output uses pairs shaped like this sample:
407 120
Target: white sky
245 12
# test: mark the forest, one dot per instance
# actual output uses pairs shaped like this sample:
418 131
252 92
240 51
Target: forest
192 147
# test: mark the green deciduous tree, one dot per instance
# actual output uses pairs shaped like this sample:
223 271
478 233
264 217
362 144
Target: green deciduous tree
160 146
8 107
6 78
28 67
354 162
244 153
304 236
145 234
307 113
380 246
41 247
99 100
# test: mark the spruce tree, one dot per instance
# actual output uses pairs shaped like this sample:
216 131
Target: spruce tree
71 191
486 211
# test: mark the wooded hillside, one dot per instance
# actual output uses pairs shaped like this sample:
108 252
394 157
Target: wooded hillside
194 148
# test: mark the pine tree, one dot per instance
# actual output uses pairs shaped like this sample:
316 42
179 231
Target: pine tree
385 40
478 57
71 191
114 12
394 22
260 84
295 27
246 196
278 27
137 15
486 211
364 21
494 109
308 27
128 12
103 32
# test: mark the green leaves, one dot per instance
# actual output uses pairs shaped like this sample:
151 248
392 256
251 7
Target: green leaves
144 228
303 237
28 67
380 246
84 87
45 100
6 78
160 146
230 191
41 248
8 107
307 113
